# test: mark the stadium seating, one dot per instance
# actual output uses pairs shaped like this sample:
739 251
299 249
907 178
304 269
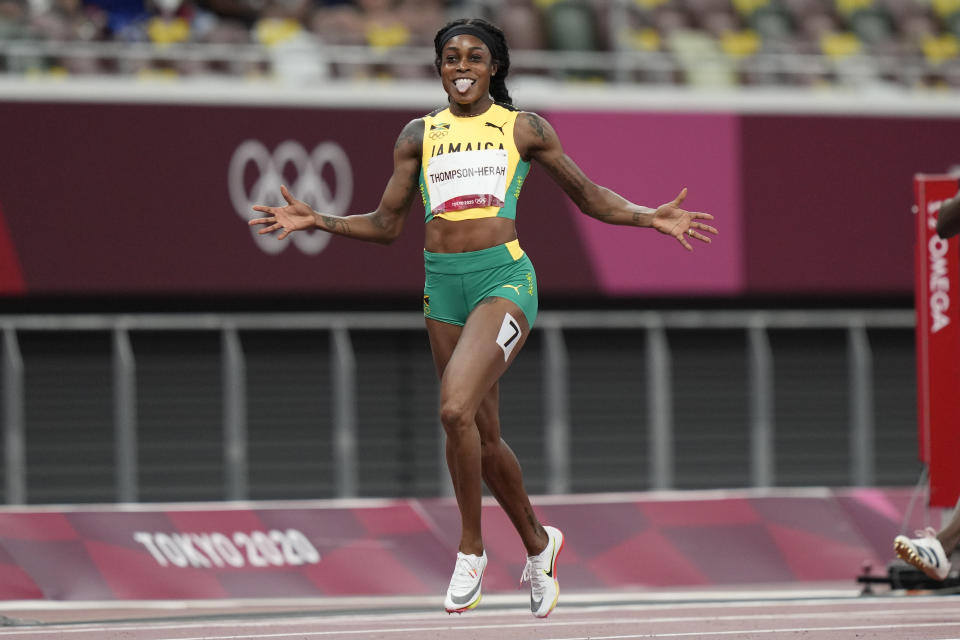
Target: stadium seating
912 43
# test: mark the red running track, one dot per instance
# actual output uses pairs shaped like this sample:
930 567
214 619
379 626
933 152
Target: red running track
776 614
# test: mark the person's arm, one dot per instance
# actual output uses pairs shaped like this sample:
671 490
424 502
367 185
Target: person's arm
948 220
382 225
537 140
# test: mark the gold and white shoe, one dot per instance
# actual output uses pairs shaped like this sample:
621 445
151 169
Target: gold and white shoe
924 552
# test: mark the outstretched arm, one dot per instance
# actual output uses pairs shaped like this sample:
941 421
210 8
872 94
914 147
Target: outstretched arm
537 140
381 225
948 220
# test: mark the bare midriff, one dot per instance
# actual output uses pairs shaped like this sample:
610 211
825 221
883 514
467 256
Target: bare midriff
447 236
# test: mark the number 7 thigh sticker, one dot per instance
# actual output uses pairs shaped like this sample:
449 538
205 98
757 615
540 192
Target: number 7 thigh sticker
509 335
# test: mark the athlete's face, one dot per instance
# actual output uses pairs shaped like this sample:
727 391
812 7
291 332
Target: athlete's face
466 67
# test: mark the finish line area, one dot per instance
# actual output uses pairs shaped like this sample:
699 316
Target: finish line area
834 612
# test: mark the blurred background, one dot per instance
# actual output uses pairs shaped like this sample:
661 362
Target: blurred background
155 350
806 43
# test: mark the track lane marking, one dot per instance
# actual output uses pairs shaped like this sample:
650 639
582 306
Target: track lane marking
687 634
206 620
684 634
154 627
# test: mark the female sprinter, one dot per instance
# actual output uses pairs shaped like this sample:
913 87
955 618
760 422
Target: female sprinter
480 291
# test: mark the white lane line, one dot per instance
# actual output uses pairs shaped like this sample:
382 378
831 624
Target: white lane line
369 628
851 607
742 632
427 601
275 616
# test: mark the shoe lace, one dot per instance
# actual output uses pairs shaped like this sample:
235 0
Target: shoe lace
464 574
928 532
535 576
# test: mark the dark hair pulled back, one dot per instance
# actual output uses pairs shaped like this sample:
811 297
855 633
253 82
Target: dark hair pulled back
500 54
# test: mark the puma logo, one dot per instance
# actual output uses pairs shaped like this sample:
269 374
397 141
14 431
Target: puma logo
516 288
500 127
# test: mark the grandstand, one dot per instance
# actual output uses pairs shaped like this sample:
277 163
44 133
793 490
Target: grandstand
877 44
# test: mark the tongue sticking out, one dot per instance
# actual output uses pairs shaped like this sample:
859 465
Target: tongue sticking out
463 84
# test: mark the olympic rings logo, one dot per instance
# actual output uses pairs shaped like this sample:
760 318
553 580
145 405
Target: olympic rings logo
308 185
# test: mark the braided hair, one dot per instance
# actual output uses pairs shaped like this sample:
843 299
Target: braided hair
499 52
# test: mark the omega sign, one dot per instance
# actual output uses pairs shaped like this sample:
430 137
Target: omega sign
305 179
939 292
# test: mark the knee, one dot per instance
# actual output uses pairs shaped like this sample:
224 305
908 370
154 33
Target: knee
455 418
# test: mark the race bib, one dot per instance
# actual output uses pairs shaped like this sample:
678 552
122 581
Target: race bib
467 180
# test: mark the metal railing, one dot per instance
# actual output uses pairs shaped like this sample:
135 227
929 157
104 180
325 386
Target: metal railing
555 372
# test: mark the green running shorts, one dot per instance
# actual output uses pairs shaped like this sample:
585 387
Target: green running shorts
455 283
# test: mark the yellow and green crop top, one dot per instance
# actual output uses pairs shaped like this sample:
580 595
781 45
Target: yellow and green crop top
470 167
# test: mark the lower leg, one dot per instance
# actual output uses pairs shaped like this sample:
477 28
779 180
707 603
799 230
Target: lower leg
504 477
463 462
502 474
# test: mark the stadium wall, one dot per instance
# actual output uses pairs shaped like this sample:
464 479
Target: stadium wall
114 191
309 549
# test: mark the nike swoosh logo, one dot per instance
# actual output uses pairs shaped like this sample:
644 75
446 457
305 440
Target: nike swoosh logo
467 598
553 560
535 604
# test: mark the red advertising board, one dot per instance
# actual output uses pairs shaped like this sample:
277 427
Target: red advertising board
938 341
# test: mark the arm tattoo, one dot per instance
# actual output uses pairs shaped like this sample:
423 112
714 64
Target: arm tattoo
411 134
570 178
537 125
378 221
406 138
570 173
336 225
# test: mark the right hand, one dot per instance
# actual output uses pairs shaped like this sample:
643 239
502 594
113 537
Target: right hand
296 216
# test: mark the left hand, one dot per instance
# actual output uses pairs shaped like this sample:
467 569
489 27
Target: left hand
671 220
